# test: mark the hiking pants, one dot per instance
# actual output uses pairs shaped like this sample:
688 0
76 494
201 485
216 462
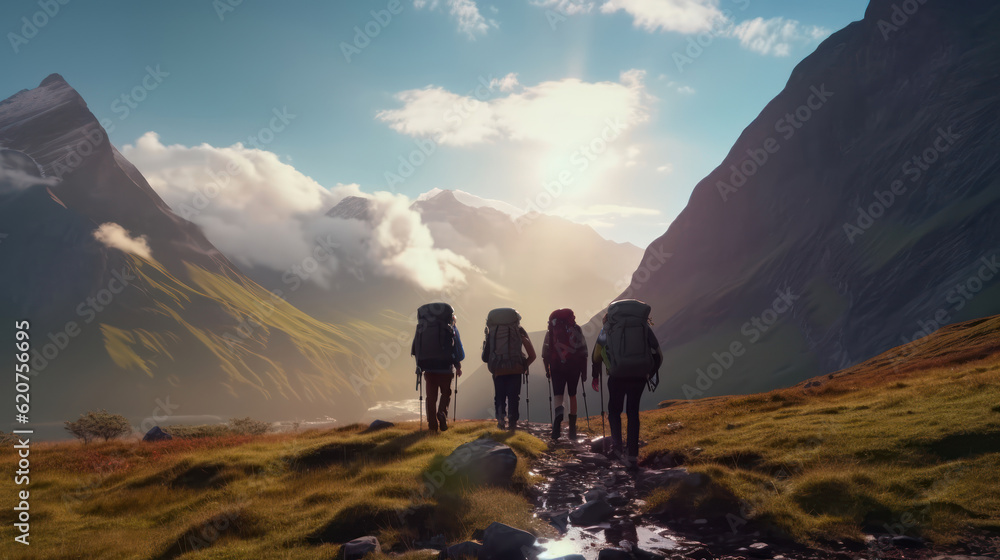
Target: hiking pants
437 382
507 393
618 391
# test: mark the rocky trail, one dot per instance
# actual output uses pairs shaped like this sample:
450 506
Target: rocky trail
597 507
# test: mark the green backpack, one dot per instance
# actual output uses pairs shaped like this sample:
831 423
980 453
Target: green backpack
503 342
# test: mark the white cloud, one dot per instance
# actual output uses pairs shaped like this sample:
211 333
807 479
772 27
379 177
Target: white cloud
466 14
775 36
262 212
667 168
566 7
115 236
506 84
603 211
682 16
556 113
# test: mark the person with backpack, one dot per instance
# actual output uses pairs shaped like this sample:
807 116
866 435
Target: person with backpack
564 354
437 347
627 347
507 352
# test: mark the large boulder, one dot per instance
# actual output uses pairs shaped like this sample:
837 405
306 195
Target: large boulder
503 541
467 550
591 513
483 461
379 425
361 547
156 434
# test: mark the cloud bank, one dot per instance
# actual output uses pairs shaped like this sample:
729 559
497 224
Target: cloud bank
115 236
262 212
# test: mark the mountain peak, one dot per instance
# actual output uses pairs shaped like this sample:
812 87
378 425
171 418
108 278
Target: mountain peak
352 208
53 78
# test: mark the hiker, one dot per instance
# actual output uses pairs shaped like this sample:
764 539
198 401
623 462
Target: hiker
507 352
564 354
438 350
627 347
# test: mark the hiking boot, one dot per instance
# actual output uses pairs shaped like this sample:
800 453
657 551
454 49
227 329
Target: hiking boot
631 463
501 425
557 423
572 427
443 420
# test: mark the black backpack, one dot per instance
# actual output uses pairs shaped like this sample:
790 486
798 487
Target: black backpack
434 341
628 350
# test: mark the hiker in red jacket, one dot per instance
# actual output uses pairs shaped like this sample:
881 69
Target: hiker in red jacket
564 354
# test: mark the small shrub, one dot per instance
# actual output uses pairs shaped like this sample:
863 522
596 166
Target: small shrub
101 424
248 426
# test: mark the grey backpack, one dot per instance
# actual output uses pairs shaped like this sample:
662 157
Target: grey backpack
502 347
627 345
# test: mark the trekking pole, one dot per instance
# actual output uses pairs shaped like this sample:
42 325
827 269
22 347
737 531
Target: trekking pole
604 434
420 394
548 383
454 417
583 381
527 395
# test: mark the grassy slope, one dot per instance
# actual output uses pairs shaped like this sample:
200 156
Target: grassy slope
908 440
267 497
315 363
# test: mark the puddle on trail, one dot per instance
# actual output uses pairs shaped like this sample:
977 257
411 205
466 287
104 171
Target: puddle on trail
588 541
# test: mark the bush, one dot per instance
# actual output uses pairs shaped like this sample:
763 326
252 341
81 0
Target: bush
248 426
101 424
6 438
200 431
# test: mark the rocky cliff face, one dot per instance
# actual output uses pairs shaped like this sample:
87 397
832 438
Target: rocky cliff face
859 210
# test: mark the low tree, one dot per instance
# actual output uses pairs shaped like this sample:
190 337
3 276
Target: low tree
248 426
100 424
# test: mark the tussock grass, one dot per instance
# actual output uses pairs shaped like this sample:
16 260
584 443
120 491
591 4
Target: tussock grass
907 443
287 495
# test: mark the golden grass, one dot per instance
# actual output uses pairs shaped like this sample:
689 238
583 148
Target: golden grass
908 442
273 496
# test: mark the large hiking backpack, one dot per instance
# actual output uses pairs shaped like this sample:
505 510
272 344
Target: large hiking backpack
503 339
434 342
627 344
567 346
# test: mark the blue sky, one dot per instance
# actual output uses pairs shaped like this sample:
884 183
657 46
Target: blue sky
563 73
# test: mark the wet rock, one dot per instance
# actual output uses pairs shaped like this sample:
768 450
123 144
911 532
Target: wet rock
595 494
360 547
504 541
613 554
591 513
960 557
483 461
467 549
558 519
904 541
600 445
700 553
379 425
156 434
571 557
760 550
652 479
438 542
617 500
640 554
593 459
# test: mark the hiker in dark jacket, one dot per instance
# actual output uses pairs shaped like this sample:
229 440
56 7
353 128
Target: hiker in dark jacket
439 380
624 392
507 370
564 354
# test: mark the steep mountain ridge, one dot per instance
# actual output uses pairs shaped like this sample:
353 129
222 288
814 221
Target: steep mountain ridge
857 211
